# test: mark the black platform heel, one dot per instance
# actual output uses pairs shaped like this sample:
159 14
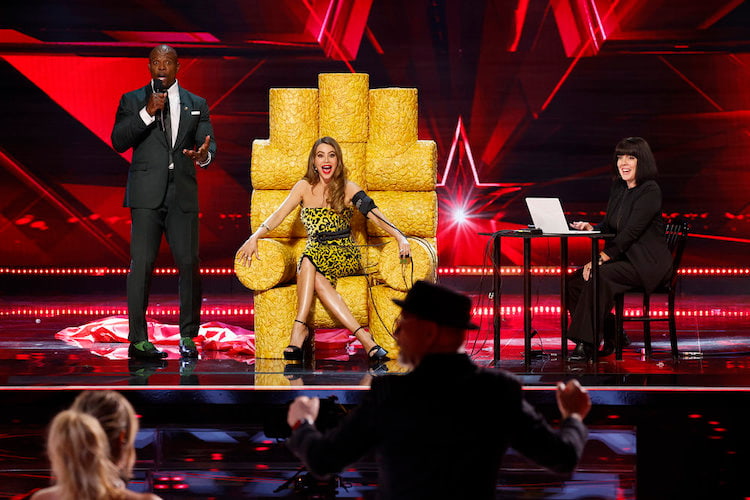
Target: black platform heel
376 353
294 353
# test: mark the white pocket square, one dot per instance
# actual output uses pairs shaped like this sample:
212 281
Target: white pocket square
195 112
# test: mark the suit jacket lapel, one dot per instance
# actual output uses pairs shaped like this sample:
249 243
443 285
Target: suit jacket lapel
186 105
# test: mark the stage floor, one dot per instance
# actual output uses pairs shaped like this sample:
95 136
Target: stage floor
213 427
713 336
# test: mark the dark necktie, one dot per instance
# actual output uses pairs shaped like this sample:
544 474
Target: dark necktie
168 128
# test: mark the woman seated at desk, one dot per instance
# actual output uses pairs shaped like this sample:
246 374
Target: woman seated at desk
636 257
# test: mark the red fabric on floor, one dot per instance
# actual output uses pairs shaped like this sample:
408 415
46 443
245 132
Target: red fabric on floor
212 336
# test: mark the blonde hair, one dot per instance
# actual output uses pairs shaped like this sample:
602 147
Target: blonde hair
117 418
79 453
338 182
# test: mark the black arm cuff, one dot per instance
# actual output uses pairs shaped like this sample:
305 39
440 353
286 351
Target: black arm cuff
363 202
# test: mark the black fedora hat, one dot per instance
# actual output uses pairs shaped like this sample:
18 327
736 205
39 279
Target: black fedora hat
439 304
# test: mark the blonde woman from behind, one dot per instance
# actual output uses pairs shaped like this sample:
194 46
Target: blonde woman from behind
83 464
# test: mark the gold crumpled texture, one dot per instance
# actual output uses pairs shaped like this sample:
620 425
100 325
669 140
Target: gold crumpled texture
421 266
275 310
298 246
263 204
344 101
273 168
277 265
383 313
292 119
393 118
415 169
355 159
397 170
413 212
353 289
270 372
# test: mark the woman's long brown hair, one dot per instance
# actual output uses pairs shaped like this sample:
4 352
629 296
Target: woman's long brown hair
338 183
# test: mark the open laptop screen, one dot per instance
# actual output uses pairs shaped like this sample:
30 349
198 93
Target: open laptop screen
547 215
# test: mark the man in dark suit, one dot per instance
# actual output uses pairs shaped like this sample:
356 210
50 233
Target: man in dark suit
164 124
441 430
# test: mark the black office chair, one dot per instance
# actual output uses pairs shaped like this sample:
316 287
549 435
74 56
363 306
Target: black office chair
676 232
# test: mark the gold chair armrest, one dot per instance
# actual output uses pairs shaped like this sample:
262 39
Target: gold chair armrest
277 265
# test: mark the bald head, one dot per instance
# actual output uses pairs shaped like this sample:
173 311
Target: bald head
162 49
163 65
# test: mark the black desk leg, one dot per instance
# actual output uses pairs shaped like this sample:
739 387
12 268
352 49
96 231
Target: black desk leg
496 317
564 297
595 292
527 300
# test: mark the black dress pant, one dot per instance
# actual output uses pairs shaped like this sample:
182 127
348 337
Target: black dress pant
181 231
614 278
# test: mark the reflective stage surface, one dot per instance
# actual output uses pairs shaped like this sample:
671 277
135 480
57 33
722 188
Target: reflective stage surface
713 336
214 427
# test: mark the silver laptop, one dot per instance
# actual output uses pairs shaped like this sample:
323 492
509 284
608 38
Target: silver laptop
547 215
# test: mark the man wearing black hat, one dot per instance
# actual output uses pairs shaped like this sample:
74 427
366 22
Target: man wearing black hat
441 430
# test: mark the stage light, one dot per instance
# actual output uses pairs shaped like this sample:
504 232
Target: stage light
459 216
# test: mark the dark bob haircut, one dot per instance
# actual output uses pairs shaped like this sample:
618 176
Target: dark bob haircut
638 147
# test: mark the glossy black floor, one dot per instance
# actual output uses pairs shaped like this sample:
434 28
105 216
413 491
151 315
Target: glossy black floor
661 428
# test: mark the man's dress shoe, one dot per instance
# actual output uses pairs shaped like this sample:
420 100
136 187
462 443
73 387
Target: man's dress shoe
187 348
145 350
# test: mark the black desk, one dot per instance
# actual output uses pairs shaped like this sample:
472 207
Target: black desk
527 237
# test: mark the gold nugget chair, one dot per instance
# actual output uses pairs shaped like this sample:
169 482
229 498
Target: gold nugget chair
377 131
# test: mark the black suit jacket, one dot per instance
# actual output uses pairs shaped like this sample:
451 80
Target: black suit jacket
634 215
441 431
148 175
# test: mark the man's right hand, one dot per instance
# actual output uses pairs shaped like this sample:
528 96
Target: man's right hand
302 408
156 102
573 399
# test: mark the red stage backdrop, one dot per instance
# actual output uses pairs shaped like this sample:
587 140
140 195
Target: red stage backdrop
524 98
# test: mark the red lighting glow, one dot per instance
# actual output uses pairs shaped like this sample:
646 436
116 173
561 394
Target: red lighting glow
460 133
233 311
447 271
53 311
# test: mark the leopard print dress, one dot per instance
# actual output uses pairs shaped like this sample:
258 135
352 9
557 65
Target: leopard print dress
332 257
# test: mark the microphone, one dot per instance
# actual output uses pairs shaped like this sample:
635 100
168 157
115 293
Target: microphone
159 88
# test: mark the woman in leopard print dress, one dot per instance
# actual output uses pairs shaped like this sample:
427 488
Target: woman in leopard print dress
328 200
